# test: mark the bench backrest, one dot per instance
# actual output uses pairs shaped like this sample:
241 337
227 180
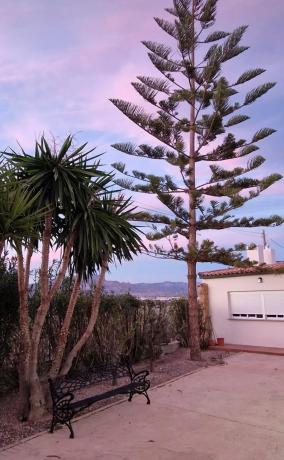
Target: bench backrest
97 374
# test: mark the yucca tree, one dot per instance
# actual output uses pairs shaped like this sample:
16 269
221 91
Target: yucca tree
104 236
58 179
67 184
15 205
19 225
18 219
195 109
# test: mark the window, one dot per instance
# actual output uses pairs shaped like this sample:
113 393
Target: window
256 305
274 304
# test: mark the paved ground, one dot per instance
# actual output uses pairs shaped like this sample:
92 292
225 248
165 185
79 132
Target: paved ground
233 412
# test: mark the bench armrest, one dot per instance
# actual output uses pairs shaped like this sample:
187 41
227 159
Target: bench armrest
144 373
62 408
141 382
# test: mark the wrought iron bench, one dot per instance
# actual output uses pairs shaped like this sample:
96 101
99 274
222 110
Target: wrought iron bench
64 403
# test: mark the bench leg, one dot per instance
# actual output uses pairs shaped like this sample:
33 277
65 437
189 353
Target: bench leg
68 424
146 396
52 426
140 392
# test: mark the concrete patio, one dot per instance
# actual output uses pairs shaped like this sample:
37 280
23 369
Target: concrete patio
230 412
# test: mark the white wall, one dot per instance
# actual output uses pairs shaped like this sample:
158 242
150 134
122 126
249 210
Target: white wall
268 333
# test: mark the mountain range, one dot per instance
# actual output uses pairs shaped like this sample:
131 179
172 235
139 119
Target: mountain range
147 290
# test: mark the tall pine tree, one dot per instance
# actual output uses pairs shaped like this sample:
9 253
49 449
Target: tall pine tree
195 108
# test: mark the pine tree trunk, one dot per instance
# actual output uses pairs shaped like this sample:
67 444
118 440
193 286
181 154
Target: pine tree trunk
63 336
91 324
25 340
195 353
193 314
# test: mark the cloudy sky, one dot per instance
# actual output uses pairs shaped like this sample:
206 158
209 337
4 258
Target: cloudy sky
61 60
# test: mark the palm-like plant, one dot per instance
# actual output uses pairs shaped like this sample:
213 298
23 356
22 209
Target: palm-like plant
103 232
103 235
58 176
19 227
18 218
81 217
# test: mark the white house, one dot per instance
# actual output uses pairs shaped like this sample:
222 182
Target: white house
246 305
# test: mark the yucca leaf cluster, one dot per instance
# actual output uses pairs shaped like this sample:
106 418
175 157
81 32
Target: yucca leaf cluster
67 183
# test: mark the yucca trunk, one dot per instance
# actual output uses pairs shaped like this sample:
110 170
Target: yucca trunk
37 399
2 246
24 340
37 403
91 324
193 325
63 336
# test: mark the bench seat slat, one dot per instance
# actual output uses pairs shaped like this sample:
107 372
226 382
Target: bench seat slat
125 389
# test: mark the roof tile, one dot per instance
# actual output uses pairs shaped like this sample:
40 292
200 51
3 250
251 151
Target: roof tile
277 267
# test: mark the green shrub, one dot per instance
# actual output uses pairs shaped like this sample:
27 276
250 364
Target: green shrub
125 325
179 320
9 302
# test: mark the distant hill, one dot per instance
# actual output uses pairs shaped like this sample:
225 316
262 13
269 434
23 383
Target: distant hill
150 290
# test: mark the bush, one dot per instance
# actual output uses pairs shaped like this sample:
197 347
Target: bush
178 313
9 305
125 325
180 323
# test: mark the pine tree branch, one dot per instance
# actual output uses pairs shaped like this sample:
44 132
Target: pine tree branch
206 138
219 174
151 218
209 222
175 205
142 121
153 102
231 187
146 151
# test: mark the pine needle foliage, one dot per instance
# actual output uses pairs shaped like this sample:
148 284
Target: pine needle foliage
195 109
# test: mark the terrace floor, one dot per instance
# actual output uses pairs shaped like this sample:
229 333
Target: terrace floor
229 412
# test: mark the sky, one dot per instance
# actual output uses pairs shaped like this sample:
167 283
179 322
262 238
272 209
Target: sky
61 61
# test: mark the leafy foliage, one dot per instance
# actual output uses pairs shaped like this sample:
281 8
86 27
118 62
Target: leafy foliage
204 88
178 314
258 92
125 325
194 82
69 183
8 324
58 199
19 219
249 75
